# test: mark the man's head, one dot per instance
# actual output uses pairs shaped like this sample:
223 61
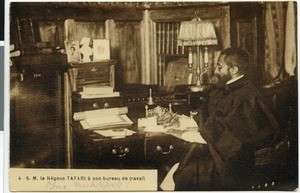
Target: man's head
232 63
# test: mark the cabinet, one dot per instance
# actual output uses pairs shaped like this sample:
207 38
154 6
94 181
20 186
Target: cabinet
78 76
247 33
37 134
81 74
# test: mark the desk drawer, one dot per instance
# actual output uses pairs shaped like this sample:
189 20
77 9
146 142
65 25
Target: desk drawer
94 70
113 153
164 148
98 103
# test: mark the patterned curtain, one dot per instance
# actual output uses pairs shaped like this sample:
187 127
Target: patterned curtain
280 42
274 42
290 58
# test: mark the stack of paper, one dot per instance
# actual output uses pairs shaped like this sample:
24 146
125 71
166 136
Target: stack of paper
104 118
106 122
115 133
98 91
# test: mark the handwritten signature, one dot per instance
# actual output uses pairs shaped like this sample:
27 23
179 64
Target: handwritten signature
108 185
53 186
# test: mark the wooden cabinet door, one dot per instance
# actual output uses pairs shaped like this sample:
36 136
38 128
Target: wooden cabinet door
247 33
37 138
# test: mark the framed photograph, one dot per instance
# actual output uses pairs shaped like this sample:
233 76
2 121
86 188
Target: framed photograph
101 49
72 49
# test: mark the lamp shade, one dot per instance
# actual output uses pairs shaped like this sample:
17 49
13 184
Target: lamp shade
196 33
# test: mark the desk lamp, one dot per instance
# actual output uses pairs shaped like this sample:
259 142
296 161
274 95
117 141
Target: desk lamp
197 33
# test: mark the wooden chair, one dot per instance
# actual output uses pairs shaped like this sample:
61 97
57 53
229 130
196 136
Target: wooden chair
276 167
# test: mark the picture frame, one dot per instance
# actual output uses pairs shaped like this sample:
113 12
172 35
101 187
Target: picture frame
101 49
72 49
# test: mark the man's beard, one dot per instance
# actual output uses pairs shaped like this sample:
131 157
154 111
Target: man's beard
220 81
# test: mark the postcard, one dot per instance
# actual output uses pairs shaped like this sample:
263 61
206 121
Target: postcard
101 49
72 48
223 92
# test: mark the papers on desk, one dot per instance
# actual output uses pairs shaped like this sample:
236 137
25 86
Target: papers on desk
103 118
156 128
115 133
98 91
106 122
193 137
99 113
187 123
91 96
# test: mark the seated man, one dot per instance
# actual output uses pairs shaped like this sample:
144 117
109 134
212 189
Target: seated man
238 124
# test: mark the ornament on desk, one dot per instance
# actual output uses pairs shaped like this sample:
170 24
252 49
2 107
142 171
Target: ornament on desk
85 49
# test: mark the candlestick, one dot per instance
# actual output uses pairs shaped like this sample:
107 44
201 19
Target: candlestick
150 101
146 111
206 57
190 57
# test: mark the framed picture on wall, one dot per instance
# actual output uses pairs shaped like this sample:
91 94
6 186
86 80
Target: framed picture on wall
175 71
101 49
72 49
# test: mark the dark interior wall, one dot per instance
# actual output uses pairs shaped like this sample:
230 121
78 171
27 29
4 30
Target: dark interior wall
126 30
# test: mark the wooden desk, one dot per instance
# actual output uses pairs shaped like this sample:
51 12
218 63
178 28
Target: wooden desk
139 151
91 150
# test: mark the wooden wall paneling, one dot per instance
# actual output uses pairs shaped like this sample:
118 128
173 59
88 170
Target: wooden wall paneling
185 14
61 34
125 39
153 54
70 29
14 35
129 50
94 30
50 12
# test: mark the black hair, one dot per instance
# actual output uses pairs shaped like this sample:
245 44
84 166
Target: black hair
236 57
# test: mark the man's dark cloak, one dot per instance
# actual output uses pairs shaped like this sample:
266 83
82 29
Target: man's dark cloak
238 124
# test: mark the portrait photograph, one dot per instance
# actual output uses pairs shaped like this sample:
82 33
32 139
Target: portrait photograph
72 49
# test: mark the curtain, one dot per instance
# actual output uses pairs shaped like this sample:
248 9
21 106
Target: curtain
280 41
274 40
290 40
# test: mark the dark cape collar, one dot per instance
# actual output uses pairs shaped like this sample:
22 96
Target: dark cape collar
236 85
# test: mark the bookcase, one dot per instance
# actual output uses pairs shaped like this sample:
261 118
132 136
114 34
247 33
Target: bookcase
36 113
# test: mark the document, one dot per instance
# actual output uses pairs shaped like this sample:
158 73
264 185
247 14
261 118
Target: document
105 122
99 113
193 137
92 96
115 133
